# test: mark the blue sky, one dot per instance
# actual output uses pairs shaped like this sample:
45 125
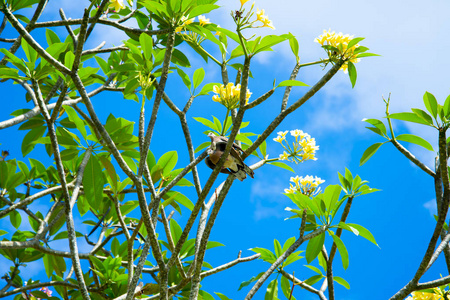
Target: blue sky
412 40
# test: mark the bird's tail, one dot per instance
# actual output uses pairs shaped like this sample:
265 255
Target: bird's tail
240 175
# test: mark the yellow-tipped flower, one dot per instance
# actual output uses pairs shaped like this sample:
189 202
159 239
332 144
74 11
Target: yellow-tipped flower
340 42
229 95
117 5
307 185
260 16
243 2
304 147
203 20
185 21
426 296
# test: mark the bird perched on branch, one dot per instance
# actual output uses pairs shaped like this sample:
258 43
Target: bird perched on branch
233 164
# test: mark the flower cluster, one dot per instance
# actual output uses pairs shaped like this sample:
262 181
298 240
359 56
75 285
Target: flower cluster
244 21
304 147
307 185
340 42
229 95
425 296
117 5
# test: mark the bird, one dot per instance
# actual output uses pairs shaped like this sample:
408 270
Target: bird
233 164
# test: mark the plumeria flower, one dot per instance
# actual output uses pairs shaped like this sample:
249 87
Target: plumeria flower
243 2
339 41
260 16
229 95
203 20
284 156
426 296
117 5
279 139
304 147
307 185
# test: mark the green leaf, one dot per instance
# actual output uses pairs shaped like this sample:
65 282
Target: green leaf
199 74
3 232
364 232
411 138
269 41
282 165
315 269
73 117
230 34
218 125
202 146
291 83
180 198
293 43
292 258
29 139
146 42
168 161
69 59
342 250
175 230
207 88
180 59
354 41
206 122
369 152
29 51
410 117
341 281
15 219
185 78
314 247
430 103
202 9
253 279
93 182
17 62
51 37
272 290
377 123
313 279
6 72
222 296
266 254
110 172
447 107
422 114
277 247
286 288
352 73
367 55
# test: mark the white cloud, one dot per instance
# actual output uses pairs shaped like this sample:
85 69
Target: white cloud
267 196
431 206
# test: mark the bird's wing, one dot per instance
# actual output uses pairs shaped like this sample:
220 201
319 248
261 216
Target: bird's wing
212 165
